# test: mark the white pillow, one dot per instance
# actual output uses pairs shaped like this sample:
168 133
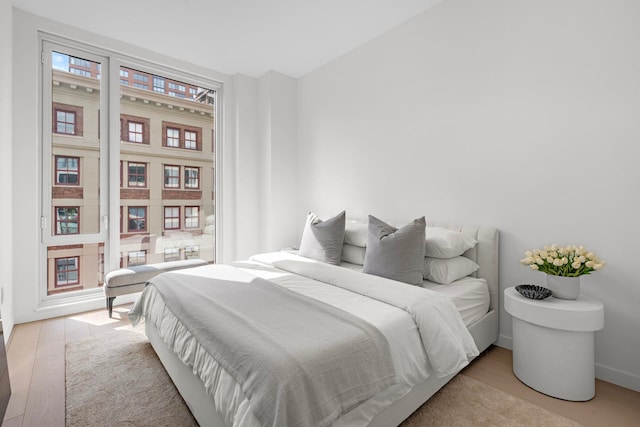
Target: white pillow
443 243
353 254
355 232
445 271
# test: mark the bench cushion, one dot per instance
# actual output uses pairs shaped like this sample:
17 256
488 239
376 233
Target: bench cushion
133 279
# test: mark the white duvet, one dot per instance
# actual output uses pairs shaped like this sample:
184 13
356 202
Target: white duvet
429 338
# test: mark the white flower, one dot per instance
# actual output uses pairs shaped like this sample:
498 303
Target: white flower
553 258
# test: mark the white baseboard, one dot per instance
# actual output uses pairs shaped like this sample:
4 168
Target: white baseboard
618 377
505 342
604 373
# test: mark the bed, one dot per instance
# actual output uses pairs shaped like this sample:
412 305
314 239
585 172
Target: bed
216 399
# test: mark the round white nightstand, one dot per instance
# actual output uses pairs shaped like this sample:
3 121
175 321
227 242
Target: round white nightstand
553 344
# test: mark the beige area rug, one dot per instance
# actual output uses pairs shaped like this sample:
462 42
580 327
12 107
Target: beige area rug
117 380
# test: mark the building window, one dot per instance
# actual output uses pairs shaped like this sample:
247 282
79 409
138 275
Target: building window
124 73
137 174
158 84
191 252
190 140
136 258
67 271
171 217
135 132
80 72
67 119
134 129
67 170
191 216
137 218
171 176
67 220
124 82
173 137
191 177
177 135
171 254
140 77
140 86
193 91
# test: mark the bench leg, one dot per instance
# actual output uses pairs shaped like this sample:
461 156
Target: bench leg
110 305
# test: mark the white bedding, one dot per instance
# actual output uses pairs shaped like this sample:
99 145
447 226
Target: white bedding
398 327
469 294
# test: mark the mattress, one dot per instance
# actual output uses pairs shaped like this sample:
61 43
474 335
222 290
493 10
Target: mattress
469 294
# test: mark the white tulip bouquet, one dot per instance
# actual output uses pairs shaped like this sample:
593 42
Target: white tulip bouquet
567 261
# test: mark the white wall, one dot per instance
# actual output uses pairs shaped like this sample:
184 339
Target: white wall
26 149
277 169
6 250
518 114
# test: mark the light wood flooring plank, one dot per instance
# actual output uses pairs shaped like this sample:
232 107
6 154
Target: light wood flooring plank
13 422
46 402
20 360
612 405
75 329
51 340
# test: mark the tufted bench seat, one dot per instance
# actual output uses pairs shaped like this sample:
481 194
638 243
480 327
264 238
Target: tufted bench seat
133 279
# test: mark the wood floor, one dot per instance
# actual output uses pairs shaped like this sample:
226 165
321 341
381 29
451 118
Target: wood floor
36 358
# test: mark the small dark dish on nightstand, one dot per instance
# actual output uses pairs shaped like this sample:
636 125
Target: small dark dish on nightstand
533 291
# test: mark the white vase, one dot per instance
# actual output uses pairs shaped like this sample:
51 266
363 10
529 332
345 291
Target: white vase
564 287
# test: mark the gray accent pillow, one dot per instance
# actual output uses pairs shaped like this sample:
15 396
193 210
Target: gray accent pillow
322 240
396 253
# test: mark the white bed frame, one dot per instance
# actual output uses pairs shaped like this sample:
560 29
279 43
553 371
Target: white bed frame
483 331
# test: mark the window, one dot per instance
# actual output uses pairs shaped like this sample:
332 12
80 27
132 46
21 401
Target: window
171 176
191 179
137 218
176 135
134 129
67 220
171 254
67 271
81 62
66 122
171 217
158 84
129 229
191 216
193 91
190 140
135 132
173 137
80 72
191 252
140 77
136 258
67 170
137 174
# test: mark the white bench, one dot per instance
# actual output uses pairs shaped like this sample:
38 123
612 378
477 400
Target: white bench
133 279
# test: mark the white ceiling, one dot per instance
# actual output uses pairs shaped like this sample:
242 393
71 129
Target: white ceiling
250 37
